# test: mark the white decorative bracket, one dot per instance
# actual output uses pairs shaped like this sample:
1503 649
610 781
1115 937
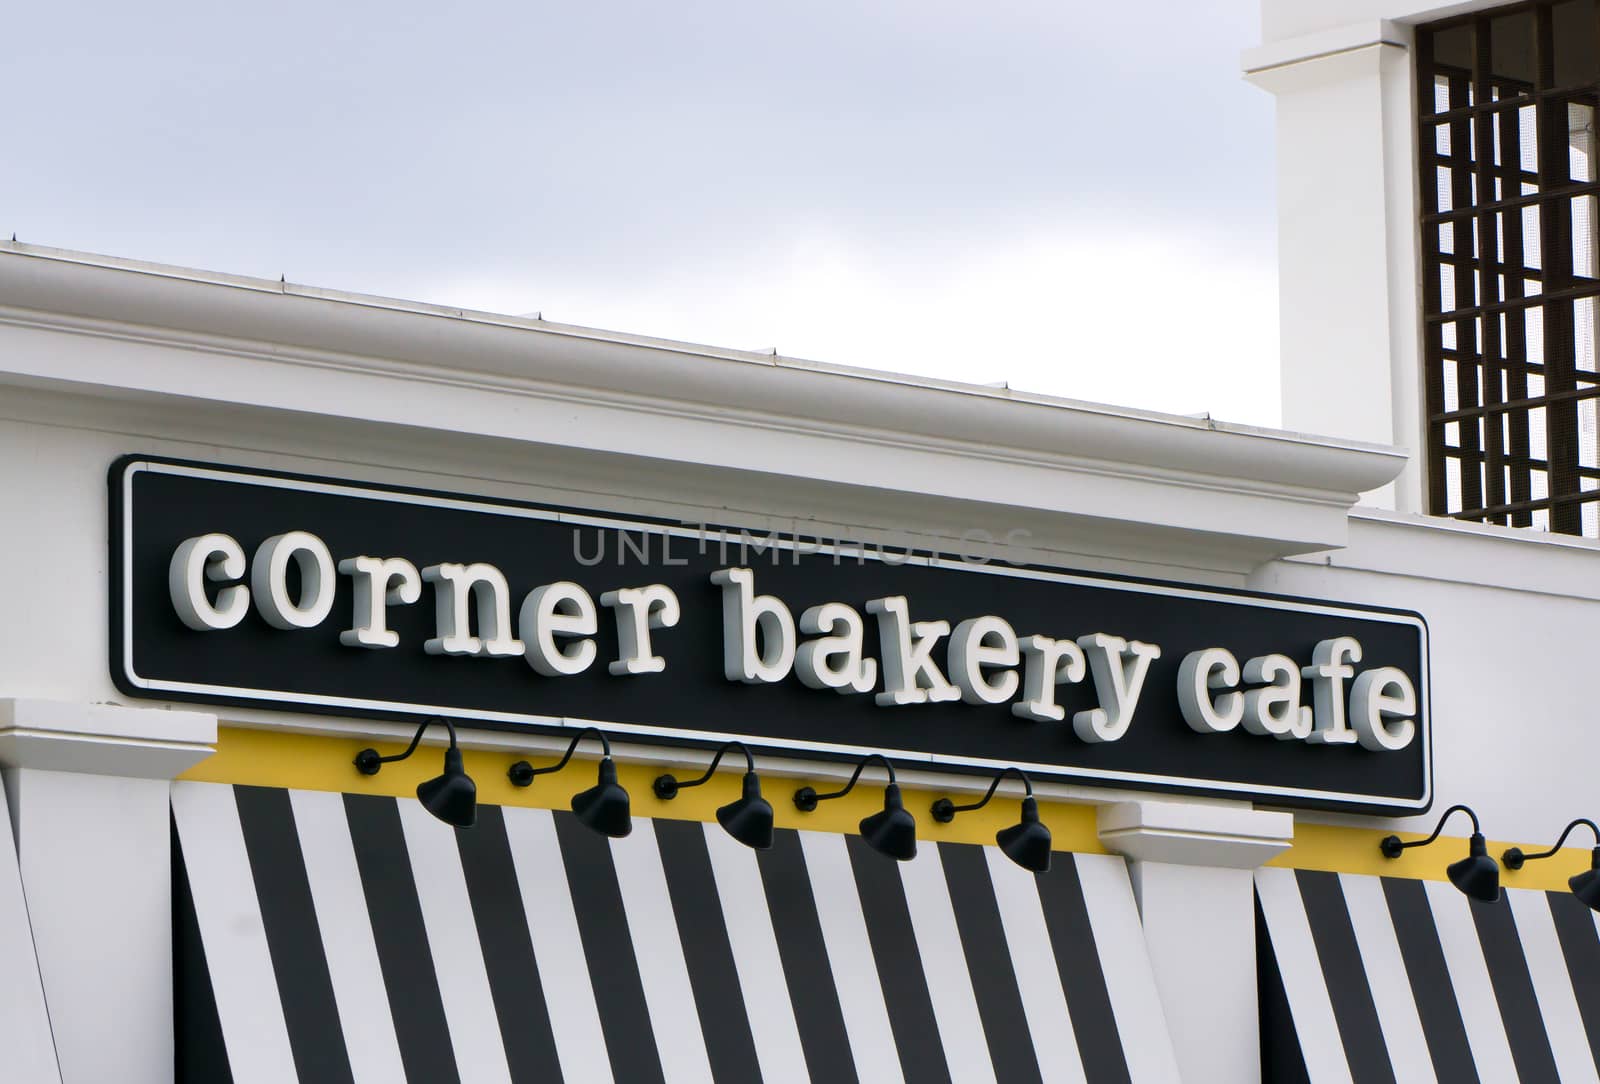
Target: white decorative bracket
104 739
1191 834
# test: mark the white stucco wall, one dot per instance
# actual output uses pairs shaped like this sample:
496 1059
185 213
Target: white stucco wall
1511 614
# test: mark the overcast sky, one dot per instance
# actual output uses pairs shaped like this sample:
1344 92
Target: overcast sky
1075 198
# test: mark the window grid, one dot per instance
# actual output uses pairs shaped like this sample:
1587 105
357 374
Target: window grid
1511 287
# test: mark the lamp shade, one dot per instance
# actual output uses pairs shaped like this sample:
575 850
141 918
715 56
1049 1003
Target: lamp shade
604 806
1586 885
1477 875
749 818
453 796
893 831
1027 843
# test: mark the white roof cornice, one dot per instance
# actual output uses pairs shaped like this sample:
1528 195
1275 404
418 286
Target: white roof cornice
144 330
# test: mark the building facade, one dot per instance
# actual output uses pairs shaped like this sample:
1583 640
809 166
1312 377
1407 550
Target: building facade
256 530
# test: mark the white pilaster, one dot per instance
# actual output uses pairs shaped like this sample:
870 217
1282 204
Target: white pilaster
88 787
1349 324
30 1052
1191 864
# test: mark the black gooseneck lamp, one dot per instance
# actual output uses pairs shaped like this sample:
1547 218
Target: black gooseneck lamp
892 831
1027 843
1477 875
452 796
604 806
748 818
1585 885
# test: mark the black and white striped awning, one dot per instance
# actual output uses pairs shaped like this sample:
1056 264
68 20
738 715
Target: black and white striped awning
352 938
1395 980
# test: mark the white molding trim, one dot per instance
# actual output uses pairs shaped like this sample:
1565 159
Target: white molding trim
1194 833
104 739
1322 43
1483 555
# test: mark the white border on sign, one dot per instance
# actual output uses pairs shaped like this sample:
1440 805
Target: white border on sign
133 467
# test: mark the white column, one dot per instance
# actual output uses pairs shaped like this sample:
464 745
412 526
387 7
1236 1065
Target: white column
1191 865
88 787
1349 317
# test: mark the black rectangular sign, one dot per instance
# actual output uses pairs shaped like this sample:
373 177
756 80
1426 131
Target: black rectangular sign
246 587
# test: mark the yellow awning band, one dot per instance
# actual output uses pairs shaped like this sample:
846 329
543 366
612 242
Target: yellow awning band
1341 849
270 758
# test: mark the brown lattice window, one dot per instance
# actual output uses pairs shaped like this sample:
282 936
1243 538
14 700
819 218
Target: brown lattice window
1511 288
